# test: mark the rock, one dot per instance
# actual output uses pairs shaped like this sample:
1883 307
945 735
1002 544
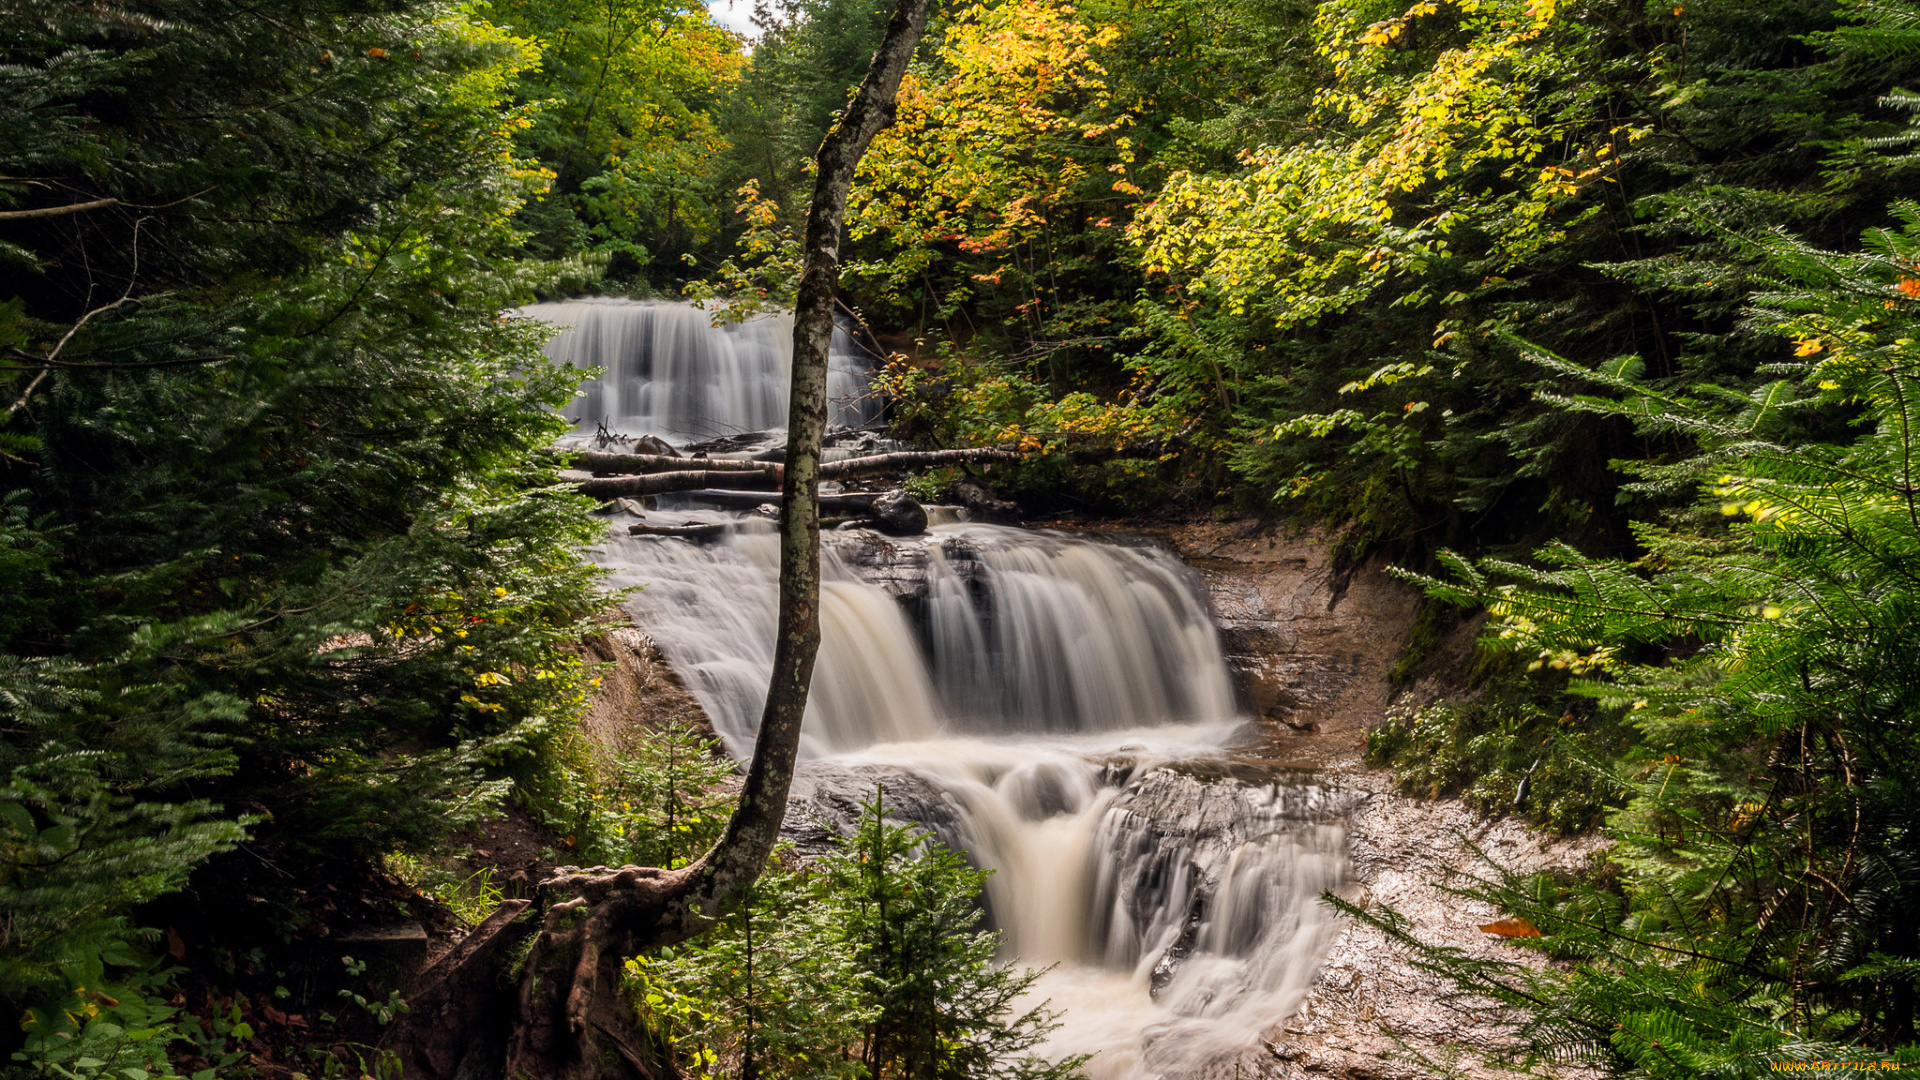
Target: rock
401 936
899 514
828 797
654 444
901 569
981 503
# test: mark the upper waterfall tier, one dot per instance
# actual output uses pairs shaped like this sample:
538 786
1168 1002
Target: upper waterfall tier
977 629
666 370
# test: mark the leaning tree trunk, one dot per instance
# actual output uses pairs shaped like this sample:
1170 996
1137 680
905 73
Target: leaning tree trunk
571 1019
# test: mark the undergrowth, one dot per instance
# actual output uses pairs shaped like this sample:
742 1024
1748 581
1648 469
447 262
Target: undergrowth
1506 752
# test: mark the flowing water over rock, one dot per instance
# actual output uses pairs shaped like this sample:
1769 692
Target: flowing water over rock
1057 707
666 370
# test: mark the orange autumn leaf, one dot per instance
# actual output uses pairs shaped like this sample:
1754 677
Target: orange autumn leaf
1511 928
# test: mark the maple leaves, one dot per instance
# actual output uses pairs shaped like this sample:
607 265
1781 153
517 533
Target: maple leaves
1511 928
1008 125
1313 228
620 120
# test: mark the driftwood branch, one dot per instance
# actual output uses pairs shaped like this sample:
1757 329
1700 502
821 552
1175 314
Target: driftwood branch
133 275
877 464
759 475
684 532
856 503
599 462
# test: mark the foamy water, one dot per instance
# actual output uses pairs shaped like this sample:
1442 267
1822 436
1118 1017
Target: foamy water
1065 697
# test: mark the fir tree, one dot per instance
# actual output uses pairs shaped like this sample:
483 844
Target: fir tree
1758 893
277 557
945 1008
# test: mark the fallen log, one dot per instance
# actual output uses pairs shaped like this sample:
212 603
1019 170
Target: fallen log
643 464
684 532
855 502
615 487
766 475
875 464
595 461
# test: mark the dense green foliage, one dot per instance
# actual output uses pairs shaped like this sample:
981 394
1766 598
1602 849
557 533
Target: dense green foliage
1759 889
1483 274
279 570
1505 752
621 115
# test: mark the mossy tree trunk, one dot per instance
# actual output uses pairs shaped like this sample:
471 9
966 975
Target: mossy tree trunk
571 1019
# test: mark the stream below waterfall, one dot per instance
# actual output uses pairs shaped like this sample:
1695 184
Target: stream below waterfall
1059 708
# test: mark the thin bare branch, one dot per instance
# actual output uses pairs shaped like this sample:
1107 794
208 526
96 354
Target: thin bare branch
133 276
56 211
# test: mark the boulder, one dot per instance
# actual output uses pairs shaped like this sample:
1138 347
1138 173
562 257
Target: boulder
899 514
981 503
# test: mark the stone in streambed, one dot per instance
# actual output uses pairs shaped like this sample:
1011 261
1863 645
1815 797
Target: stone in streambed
899 514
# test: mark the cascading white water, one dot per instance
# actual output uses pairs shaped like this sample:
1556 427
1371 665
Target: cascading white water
666 370
1029 632
1061 701
1037 633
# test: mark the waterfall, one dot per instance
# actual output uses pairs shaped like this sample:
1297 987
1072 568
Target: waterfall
666 370
1018 631
1055 707
1029 632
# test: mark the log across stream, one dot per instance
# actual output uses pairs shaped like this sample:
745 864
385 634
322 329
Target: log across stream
1058 707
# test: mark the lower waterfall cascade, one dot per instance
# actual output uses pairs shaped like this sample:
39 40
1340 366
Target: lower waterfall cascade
666 370
1057 707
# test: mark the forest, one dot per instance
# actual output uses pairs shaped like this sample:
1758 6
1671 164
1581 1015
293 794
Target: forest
1594 321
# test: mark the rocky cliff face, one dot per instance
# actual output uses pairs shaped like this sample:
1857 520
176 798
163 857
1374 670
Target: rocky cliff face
1310 645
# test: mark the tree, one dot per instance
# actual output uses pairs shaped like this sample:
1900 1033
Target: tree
871 963
623 103
669 809
572 1018
1004 142
1756 899
773 986
280 569
943 1008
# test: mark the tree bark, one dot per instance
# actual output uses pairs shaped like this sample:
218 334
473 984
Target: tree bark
876 464
573 1021
652 465
684 532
